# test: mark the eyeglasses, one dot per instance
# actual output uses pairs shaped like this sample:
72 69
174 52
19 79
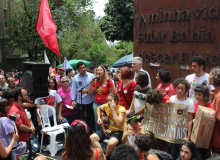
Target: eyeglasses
65 81
52 83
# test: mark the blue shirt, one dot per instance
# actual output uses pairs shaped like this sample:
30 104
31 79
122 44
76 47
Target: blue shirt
78 82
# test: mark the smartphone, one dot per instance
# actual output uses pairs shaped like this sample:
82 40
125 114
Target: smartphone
13 118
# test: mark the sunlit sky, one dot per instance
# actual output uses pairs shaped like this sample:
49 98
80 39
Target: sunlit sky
98 7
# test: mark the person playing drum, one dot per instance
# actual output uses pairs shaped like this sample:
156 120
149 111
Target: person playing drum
116 116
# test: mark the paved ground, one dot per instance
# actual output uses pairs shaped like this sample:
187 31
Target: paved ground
58 155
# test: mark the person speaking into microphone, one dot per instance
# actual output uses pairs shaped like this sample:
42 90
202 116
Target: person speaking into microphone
101 87
80 81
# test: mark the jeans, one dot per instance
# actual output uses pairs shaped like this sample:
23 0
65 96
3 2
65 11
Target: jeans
89 115
95 106
70 118
175 150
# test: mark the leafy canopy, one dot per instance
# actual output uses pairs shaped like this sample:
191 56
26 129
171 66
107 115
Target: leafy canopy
118 22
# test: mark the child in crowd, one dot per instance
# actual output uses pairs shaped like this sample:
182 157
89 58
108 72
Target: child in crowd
155 97
124 152
158 97
145 142
182 90
132 128
202 96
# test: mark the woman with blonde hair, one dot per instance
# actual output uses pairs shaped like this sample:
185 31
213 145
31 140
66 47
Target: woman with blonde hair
102 86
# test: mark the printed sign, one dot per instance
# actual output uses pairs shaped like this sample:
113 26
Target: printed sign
167 121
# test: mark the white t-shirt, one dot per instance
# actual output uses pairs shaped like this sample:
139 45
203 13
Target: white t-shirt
195 81
149 84
139 98
188 102
51 100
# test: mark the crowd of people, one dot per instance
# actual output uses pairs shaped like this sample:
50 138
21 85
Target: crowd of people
95 92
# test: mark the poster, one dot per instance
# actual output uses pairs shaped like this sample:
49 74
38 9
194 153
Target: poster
168 121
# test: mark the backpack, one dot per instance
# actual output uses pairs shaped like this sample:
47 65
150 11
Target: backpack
161 154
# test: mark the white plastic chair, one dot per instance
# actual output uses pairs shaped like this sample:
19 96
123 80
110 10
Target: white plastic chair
43 113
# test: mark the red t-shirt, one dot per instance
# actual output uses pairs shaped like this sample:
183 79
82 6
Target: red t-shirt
128 93
21 119
165 98
196 104
102 90
170 91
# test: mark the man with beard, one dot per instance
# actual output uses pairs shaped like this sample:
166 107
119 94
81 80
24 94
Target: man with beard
11 83
198 77
25 128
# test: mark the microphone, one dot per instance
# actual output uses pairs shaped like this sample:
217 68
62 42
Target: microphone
95 78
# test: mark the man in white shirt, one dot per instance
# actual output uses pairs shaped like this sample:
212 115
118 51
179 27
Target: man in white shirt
198 76
137 63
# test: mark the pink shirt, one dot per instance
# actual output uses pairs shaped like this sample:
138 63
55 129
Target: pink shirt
170 91
66 100
58 78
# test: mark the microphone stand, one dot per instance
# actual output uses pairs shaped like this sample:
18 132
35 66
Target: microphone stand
80 90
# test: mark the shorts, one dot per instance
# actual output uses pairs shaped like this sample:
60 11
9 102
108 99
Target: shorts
118 135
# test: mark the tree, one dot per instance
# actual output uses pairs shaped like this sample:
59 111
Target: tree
123 48
21 21
118 22
85 41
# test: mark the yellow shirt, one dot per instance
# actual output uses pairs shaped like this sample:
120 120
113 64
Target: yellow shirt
111 124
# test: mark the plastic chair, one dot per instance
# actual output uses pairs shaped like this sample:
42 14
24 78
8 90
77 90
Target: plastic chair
43 113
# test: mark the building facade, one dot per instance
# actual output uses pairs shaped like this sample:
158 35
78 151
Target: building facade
8 59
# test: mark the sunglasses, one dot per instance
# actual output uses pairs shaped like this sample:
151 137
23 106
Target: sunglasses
65 81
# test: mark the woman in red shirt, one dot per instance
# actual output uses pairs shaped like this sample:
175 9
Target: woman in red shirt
126 87
202 96
163 78
102 86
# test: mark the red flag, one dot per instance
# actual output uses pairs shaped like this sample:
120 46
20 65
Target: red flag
46 27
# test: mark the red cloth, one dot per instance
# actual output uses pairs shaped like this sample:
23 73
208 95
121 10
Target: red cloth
128 93
102 90
46 27
22 119
170 91
165 98
209 105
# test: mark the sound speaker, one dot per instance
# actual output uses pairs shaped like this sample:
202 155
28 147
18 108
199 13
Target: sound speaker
35 79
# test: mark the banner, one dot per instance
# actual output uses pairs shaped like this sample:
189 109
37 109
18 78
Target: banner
168 121
46 27
67 65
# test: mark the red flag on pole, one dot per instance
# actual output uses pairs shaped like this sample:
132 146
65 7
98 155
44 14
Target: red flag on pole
46 27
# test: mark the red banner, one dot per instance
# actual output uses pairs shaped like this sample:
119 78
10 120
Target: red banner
46 27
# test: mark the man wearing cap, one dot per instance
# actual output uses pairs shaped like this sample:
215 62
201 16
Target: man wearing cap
61 73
